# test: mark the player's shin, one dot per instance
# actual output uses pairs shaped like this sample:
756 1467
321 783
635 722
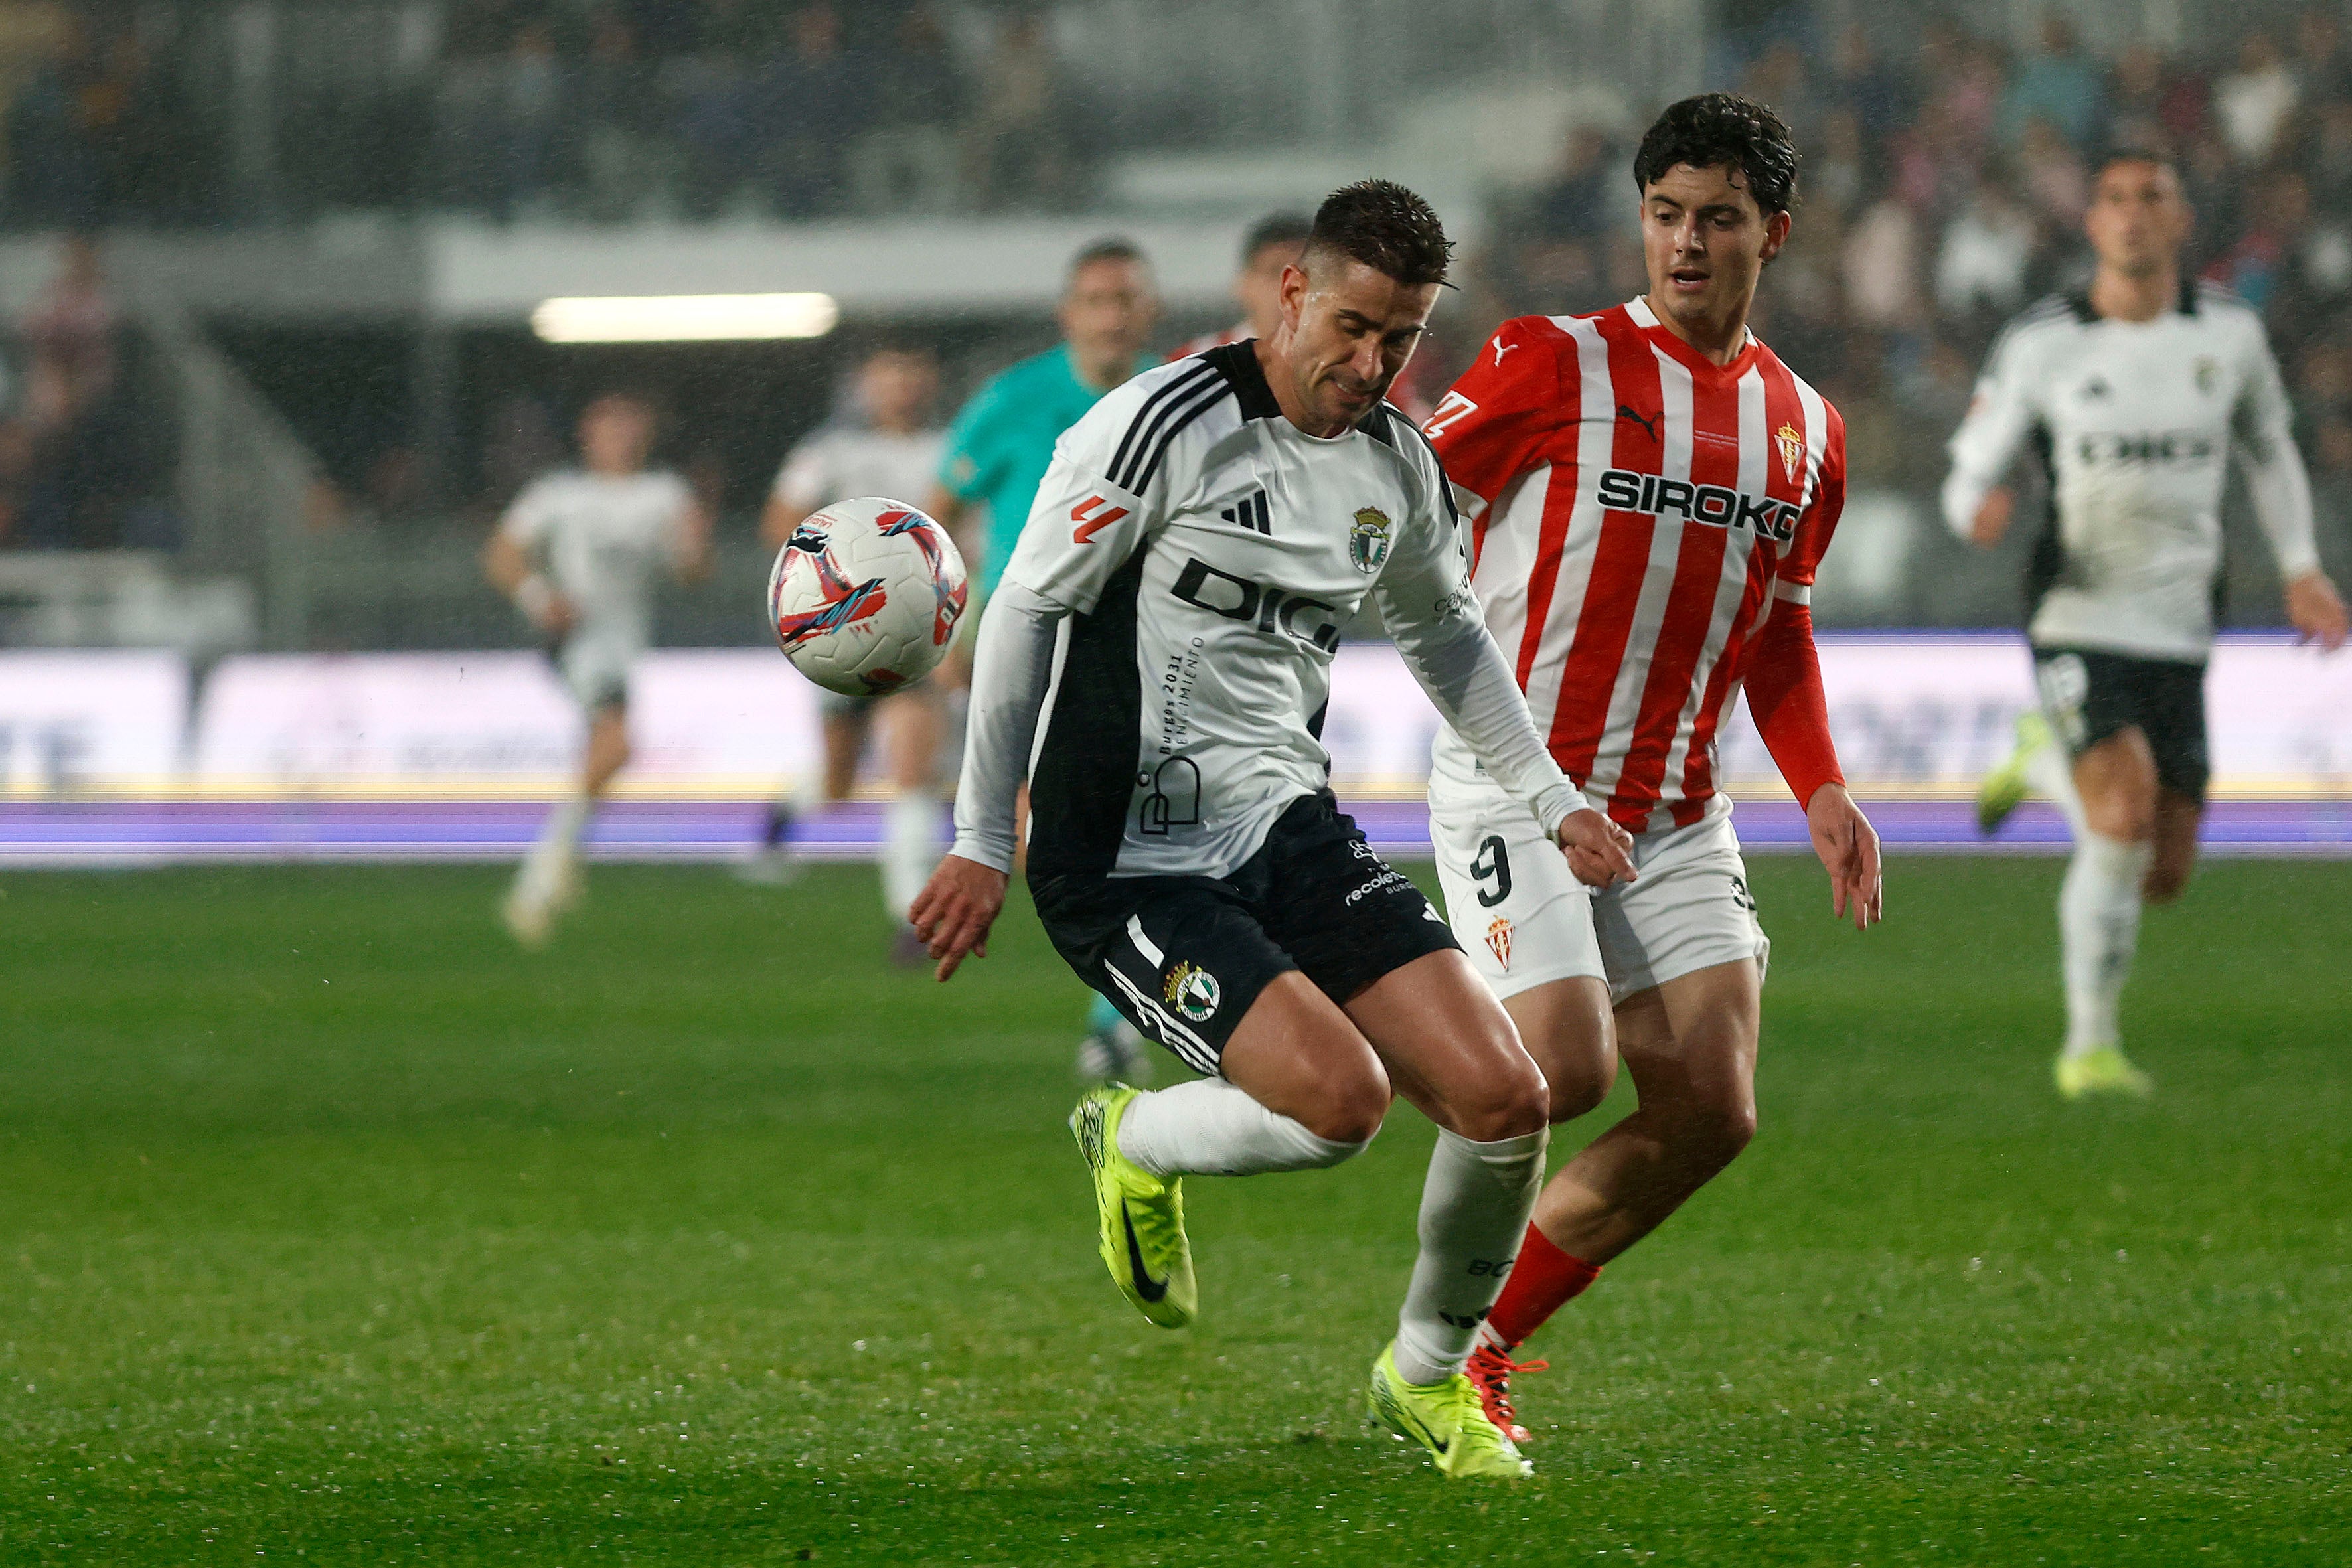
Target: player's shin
2098 924
1473 1213
1209 1128
551 858
910 848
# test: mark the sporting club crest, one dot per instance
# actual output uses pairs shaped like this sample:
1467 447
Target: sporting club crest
1498 940
1192 991
1367 541
1792 442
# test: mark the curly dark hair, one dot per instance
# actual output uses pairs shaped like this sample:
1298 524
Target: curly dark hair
1386 227
1720 128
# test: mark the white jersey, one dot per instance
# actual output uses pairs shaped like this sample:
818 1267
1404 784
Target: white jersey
842 461
1199 553
605 540
2135 422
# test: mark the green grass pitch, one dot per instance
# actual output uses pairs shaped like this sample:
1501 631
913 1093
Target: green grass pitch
337 1232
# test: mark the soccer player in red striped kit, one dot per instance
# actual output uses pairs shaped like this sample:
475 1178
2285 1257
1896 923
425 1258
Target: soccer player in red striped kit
1649 492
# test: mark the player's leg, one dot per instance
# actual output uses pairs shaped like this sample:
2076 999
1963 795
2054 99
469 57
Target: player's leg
910 725
549 876
2099 906
1289 1085
2179 819
1689 1044
845 722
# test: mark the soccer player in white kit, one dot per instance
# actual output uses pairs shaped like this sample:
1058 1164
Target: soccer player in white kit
1650 490
2133 393
579 553
1170 617
890 449
1267 250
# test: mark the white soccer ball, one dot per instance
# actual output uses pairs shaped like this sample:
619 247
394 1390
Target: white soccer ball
866 595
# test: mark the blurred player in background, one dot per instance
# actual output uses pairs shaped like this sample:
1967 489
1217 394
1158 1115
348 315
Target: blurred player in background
1272 244
579 553
890 448
997 454
2133 393
1650 491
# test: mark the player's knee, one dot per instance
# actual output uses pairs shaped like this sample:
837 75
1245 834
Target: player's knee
1511 1100
1349 1114
1718 1128
1580 1087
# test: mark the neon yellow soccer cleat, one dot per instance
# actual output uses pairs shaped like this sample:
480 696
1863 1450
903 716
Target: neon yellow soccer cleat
2005 788
2104 1071
1447 1419
1143 1241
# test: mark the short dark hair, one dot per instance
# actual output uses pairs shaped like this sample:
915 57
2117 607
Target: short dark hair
1277 228
1386 227
1719 129
2153 152
1112 247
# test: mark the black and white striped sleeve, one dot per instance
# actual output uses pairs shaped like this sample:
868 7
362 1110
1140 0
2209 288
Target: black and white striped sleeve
1108 489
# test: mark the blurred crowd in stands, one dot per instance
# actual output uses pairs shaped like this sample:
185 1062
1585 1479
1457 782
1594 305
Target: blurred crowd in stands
1944 189
597 111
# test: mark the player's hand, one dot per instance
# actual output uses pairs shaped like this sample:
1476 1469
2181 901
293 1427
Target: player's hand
1993 519
559 617
1848 847
1599 851
2316 611
955 909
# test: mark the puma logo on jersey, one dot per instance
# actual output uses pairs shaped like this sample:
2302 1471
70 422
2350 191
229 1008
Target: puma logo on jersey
1622 489
1648 422
1092 522
1502 348
1250 512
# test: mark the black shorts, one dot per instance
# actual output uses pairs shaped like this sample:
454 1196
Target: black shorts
1182 958
2089 696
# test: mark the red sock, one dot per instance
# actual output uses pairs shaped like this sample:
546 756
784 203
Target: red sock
1542 1281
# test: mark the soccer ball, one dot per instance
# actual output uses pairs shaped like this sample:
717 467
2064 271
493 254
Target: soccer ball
864 596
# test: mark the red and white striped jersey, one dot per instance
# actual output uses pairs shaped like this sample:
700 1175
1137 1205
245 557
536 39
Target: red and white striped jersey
1636 512
1207 340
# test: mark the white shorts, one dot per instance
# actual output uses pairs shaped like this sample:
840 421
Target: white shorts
594 662
1526 921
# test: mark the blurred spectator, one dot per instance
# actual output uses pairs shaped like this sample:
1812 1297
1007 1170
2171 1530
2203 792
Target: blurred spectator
1980 271
70 334
1878 94
610 114
809 101
2054 175
905 161
2321 71
2059 85
2253 102
1018 153
1882 267
1838 175
1580 201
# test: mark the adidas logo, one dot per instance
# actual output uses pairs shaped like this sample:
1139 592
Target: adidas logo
1250 512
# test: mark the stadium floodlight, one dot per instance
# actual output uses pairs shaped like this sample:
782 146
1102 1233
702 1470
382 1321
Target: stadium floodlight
685 318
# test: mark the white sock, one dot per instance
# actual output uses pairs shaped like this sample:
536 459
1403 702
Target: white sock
558 841
2050 771
1209 1128
1473 1213
910 848
2098 928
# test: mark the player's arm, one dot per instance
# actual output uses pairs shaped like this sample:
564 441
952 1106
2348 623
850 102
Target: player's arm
2263 432
1791 710
1977 505
1080 531
1427 604
1497 422
509 561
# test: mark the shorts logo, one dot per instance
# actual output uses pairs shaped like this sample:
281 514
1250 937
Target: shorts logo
1192 991
1367 541
1498 940
1792 442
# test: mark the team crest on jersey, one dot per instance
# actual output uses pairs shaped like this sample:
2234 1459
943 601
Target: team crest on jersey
1498 940
1367 541
1192 991
1792 442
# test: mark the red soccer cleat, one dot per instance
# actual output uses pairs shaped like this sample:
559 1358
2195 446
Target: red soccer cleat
1489 1371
